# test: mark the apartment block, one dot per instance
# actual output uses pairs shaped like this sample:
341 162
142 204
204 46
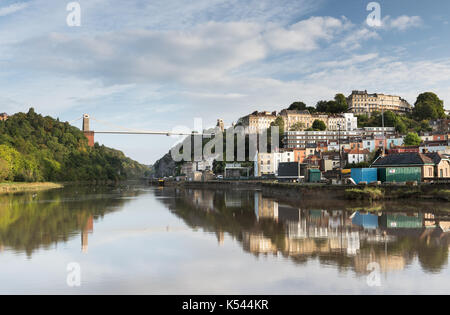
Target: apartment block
345 122
361 102
292 117
257 122
267 163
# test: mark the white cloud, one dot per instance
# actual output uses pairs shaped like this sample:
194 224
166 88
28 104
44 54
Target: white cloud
354 40
13 8
304 35
206 52
402 23
351 61
203 53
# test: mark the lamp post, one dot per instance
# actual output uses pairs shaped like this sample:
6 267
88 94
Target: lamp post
340 155
384 136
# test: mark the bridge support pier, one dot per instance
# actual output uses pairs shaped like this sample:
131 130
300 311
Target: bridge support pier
87 133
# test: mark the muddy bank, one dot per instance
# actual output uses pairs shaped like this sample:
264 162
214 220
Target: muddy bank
438 192
7 188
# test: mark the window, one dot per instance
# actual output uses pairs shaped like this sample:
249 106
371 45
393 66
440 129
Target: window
430 172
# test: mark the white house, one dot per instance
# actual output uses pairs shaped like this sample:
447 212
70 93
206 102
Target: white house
358 156
351 122
267 163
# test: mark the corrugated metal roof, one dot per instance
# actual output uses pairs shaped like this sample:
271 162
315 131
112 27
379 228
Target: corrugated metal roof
405 159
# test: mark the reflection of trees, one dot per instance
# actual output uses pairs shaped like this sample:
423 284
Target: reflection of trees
265 236
433 257
29 222
232 220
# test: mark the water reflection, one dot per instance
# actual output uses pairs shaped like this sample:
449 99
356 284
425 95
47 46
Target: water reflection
342 235
29 222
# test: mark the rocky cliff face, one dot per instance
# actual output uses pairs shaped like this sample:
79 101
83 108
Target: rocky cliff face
165 166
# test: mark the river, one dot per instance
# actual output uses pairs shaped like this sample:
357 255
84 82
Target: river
147 240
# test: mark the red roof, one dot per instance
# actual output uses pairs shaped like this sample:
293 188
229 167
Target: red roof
356 151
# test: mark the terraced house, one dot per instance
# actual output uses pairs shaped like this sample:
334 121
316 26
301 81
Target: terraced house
257 122
361 102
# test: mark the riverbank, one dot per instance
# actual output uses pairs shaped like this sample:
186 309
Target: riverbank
7 188
437 192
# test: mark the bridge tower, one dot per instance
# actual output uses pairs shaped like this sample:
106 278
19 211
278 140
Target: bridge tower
86 130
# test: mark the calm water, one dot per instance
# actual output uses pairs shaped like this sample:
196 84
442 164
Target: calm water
164 241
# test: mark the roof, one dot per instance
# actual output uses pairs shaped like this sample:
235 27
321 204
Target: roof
436 157
356 151
435 143
405 159
294 112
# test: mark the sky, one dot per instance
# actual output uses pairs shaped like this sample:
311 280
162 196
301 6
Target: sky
159 64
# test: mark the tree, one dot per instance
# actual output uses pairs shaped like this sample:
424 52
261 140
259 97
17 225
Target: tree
363 120
297 106
319 125
279 122
390 119
428 106
299 126
37 148
425 126
412 139
322 106
218 167
400 127
341 102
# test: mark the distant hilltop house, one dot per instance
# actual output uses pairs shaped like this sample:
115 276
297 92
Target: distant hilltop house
361 102
257 122
303 117
220 124
4 116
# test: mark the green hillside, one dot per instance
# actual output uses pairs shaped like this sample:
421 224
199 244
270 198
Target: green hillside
34 148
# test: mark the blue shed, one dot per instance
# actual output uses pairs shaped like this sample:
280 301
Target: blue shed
367 221
368 175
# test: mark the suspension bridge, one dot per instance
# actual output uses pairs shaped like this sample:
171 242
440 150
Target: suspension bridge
90 134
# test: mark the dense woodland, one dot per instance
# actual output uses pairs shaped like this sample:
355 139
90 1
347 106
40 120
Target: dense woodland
34 148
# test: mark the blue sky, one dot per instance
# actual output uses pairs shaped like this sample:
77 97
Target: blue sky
157 65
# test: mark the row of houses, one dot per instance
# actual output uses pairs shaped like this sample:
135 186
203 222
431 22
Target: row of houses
359 103
322 151
259 122
423 166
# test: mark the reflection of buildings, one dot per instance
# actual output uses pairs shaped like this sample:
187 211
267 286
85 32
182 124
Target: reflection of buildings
342 238
441 220
317 231
265 208
258 244
385 261
233 199
88 228
201 199
204 199
220 237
